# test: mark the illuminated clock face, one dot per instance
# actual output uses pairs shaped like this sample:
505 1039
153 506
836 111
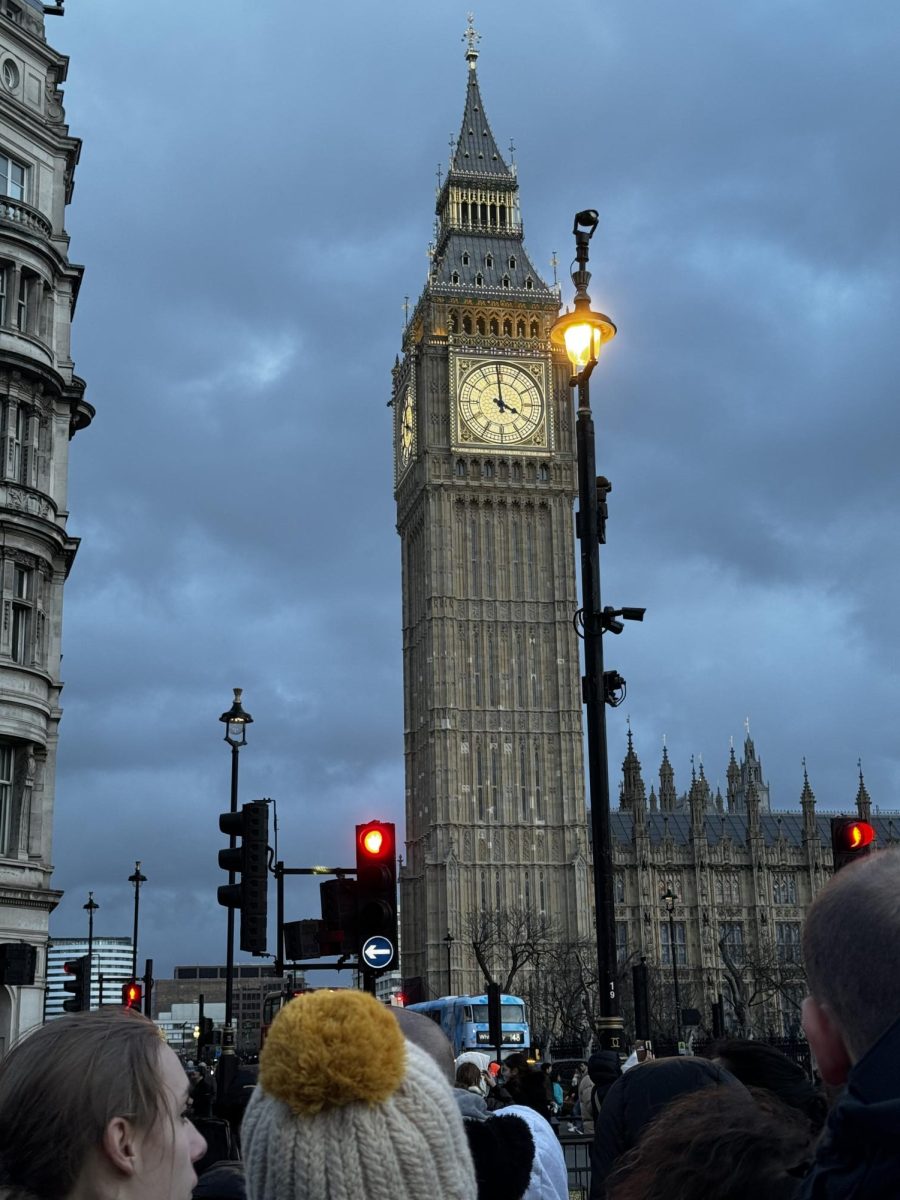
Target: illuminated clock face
501 403
407 429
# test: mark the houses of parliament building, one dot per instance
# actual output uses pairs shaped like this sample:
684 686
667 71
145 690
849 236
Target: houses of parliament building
485 482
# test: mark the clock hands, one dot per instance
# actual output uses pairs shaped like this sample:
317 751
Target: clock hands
499 401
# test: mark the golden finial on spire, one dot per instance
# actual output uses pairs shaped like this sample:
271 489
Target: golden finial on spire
471 38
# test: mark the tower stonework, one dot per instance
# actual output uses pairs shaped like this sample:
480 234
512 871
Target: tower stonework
485 478
41 406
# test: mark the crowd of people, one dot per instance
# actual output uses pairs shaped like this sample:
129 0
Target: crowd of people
358 1101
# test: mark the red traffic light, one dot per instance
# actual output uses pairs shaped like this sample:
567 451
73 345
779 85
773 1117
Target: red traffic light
132 994
375 840
855 835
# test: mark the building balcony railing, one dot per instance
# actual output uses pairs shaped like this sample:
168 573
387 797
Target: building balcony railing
23 216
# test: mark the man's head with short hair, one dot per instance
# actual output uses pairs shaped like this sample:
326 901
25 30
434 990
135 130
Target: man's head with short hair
428 1036
850 941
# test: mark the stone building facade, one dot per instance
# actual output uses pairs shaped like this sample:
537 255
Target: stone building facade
743 875
41 406
485 478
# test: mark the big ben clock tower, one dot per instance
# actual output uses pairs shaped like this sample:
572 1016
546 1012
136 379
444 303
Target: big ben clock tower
485 478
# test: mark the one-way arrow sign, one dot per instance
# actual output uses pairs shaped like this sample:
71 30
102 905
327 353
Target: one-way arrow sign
377 953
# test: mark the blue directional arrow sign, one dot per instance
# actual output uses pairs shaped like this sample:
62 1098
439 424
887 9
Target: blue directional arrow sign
378 953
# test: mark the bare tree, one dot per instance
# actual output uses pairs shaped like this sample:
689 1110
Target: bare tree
506 940
753 980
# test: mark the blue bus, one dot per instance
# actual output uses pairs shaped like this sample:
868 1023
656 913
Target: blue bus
464 1019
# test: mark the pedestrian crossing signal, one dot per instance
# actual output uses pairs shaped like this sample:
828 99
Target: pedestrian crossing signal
132 994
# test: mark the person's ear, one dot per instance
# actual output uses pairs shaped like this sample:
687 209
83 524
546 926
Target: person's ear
826 1041
119 1145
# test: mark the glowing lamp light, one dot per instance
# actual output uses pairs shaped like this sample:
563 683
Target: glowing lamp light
582 333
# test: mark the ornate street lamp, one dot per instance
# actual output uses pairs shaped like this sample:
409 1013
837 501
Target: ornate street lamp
670 900
583 333
448 942
137 879
235 721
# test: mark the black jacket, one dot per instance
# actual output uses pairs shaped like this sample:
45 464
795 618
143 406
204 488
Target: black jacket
859 1155
636 1098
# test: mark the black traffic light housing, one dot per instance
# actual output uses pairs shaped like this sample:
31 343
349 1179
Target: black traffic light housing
132 994
850 839
249 861
78 984
376 889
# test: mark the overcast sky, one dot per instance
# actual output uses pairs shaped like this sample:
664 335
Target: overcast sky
254 200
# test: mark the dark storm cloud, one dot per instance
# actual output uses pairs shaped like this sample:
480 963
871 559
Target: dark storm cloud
254 201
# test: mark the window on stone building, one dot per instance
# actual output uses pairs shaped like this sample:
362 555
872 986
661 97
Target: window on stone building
621 941
523 780
479 279
619 888
732 934
538 797
787 941
479 779
543 893
784 888
727 887
3 276
479 325
507 328
467 324
535 329
497 896
544 473
494 327
454 278
465 259
12 178
520 328
790 998
22 614
460 469
484 899
527 892
7 763
665 947
489 260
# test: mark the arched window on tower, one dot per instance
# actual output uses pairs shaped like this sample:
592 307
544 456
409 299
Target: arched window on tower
535 329
467 324
506 281
465 258
479 780
529 283
460 469
520 328
494 326
479 279
464 212
523 780
454 278
507 328
544 473
489 260
538 799
512 262
502 214
479 325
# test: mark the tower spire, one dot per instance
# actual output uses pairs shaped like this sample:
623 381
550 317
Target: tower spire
471 37
863 800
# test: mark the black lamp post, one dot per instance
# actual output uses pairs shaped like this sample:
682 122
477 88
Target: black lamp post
137 879
583 333
669 899
91 907
235 721
448 942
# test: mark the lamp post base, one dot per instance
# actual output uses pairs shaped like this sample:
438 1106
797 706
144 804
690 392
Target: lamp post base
611 1033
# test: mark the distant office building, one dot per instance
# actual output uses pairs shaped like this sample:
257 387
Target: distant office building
42 406
181 1026
110 970
252 982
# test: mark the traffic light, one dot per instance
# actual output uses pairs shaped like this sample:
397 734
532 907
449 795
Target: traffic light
132 994
249 861
78 984
376 892
850 839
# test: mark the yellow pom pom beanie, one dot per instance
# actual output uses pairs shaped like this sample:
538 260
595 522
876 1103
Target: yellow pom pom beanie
347 1109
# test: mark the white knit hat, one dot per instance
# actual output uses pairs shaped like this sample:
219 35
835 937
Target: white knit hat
347 1109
